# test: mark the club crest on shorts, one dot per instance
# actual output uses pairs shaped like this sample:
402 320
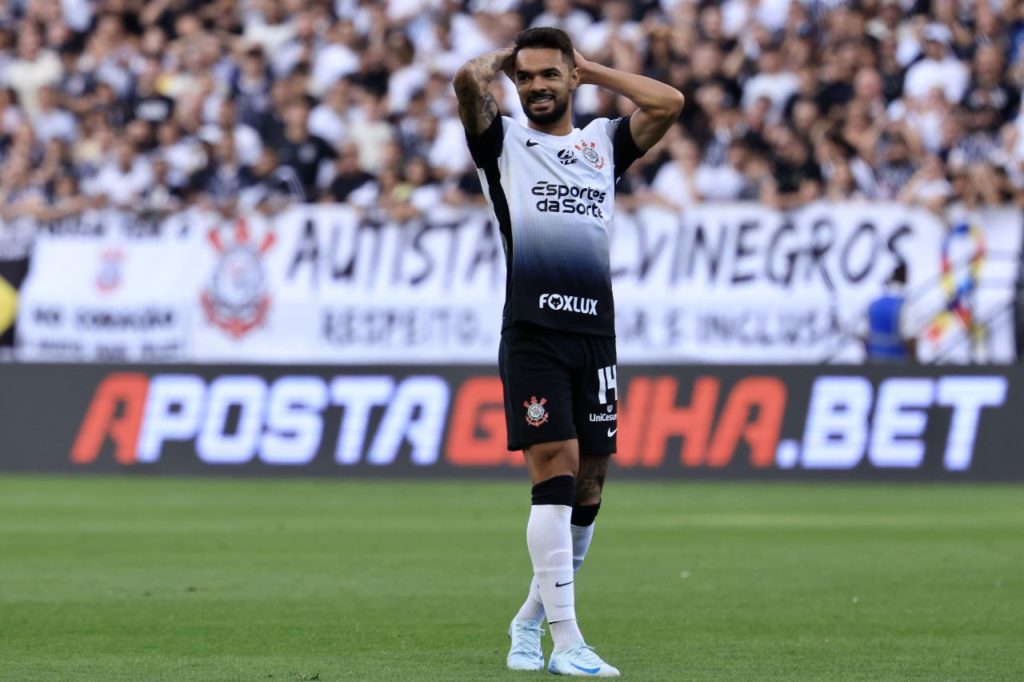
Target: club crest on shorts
535 412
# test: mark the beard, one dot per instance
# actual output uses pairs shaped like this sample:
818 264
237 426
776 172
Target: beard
558 109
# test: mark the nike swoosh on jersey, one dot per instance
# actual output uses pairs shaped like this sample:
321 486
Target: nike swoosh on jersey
532 143
611 432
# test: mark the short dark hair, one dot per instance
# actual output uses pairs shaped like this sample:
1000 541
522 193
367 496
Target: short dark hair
546 37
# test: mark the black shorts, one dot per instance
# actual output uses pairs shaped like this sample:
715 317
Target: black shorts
559 386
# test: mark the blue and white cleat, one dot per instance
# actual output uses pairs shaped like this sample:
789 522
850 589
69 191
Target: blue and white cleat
580 660
525 653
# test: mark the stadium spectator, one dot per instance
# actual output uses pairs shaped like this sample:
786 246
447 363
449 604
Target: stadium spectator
929 186
836 76
393 195
269 186
328 119
10 113
247 141
772 81
349 178
182 152
268 26
146 102
725 181
890 69
221 179
162 197
895 167
302 47
338 58
51 121
464 190
756 171
18 194
939 68
425 192
370 129
250 88
841 185
835 149
675 185
888 331
123 180
869 93
32 68
805 117
796 177
991 100
561 14
616 25
302 151
407 76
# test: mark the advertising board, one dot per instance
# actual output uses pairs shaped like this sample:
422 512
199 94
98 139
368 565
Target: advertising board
678 422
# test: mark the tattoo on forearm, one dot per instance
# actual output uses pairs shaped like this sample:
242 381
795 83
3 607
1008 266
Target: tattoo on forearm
488 106
488 62
477 106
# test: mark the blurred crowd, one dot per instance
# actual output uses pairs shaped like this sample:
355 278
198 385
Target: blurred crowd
240 104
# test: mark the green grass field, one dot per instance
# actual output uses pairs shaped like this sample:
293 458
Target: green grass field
175 579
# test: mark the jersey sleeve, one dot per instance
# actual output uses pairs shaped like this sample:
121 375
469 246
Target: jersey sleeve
485 148
624 148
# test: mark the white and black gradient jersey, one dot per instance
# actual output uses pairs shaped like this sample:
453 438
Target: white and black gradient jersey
553 197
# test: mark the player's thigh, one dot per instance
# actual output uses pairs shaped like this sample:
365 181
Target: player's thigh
552 458
538 390
595 397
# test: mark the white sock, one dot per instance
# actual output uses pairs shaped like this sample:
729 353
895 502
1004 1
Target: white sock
565 633
533 607
581 537
550 543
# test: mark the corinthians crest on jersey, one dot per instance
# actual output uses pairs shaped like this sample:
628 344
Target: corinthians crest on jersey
236 297
590 154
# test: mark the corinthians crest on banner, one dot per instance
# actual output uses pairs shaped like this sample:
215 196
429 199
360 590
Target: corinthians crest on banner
236 297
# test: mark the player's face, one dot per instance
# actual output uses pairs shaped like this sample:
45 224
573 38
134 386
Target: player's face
545 83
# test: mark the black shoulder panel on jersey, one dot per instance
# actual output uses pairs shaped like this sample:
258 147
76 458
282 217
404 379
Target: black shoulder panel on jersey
486 150
624 147
486 157
486 147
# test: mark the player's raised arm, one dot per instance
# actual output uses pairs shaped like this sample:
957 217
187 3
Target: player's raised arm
477 107
659 104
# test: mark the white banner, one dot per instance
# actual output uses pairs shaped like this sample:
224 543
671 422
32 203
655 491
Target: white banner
741 284
108 286
733 283
322 284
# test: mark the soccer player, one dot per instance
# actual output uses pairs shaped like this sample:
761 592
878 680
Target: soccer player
551 187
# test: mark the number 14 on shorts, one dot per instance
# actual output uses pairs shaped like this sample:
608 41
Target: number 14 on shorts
606 382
